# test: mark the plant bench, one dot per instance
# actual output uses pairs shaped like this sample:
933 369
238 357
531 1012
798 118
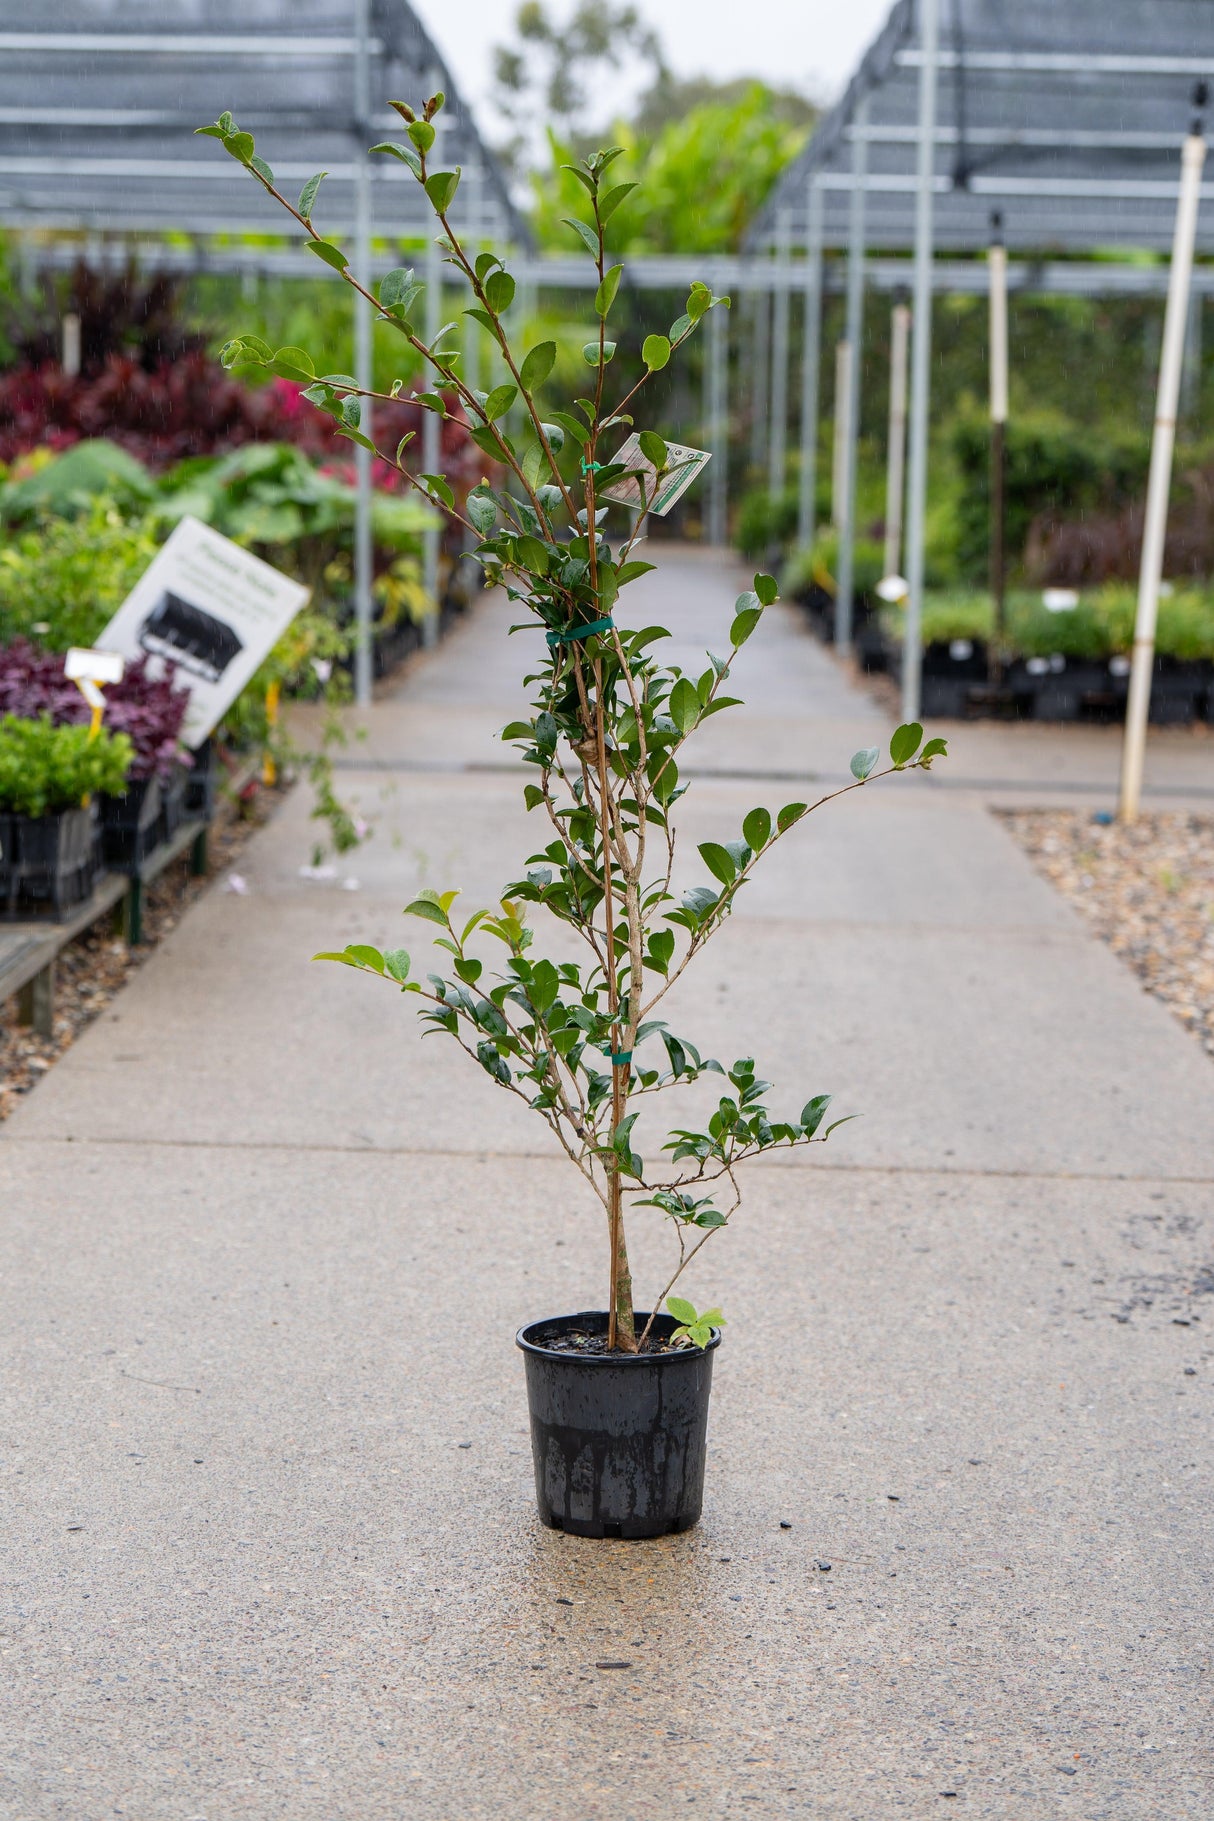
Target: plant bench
28 951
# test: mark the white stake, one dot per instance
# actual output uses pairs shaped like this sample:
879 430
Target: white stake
895 462
1159 479
838 474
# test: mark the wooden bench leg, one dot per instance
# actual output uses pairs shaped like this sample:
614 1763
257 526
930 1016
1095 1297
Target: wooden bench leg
36 1002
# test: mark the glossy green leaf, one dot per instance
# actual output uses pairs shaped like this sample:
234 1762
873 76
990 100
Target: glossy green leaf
499 401
604 297
791 812
719 861
428 909
653 448
655 352
538 365
307 196
684 705
332 256
904 743
743 625
766 588
935 749
585 234
499 290
757 829
440 188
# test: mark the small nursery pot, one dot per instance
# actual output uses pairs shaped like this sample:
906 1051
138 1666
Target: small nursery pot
618 1439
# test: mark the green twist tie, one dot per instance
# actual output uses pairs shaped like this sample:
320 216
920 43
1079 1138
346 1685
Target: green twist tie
572 633
591 467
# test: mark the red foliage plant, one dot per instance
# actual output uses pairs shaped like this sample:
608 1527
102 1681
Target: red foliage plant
191 406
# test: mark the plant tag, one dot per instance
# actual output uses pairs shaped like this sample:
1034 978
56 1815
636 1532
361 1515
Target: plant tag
683 466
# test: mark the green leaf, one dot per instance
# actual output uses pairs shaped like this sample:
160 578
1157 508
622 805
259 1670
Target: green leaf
744 625
538 365
719 862
812 1113
862 762
398 289
307 196
396 963
757 829
681 1309
499 290
630 571
405 153
482 510
240 146
710 1217
653 448
365 956
499 401
655 352
332 256
437 484
680 327
791 812
585 234
429 909
262 168
604 297
421 133
612 200
485 262
577 430
517 730
935 749
661 950
905 742
293 363
766 589
441 187
684 705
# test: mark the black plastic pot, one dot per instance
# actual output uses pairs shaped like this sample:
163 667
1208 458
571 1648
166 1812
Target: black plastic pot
131 824
47 863
618 1439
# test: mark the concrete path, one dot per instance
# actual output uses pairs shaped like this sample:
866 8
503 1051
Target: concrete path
269 1542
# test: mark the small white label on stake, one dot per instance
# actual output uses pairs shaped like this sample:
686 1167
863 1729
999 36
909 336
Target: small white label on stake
660 494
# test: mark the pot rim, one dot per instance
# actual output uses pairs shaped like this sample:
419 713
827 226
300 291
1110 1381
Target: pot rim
607 1359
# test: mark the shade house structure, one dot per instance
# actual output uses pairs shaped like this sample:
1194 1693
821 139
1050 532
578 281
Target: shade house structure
1056 129
99 100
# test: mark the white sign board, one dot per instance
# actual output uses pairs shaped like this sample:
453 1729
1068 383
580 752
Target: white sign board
210 609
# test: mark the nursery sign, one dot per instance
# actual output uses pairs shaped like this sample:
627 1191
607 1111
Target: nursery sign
683 464
210 609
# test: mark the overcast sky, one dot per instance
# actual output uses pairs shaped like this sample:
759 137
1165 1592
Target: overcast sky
807 44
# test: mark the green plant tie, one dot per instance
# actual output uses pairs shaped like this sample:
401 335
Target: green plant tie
572 633
619 1059
591 467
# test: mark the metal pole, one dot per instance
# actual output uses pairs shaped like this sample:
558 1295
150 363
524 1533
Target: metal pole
777 433
997 263
921 349
431 445
811 362
838 468
761 306
718 426
363 550
855 337
1159 479
895 461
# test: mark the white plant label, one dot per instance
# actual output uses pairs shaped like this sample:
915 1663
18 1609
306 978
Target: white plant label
682 466
210 609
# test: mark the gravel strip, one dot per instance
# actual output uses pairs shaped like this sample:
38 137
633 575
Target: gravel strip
90 970
1147 890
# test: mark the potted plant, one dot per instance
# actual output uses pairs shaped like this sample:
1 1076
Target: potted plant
149 710
618 1395
50 778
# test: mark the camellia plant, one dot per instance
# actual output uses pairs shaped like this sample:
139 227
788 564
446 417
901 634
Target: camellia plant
582 1042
